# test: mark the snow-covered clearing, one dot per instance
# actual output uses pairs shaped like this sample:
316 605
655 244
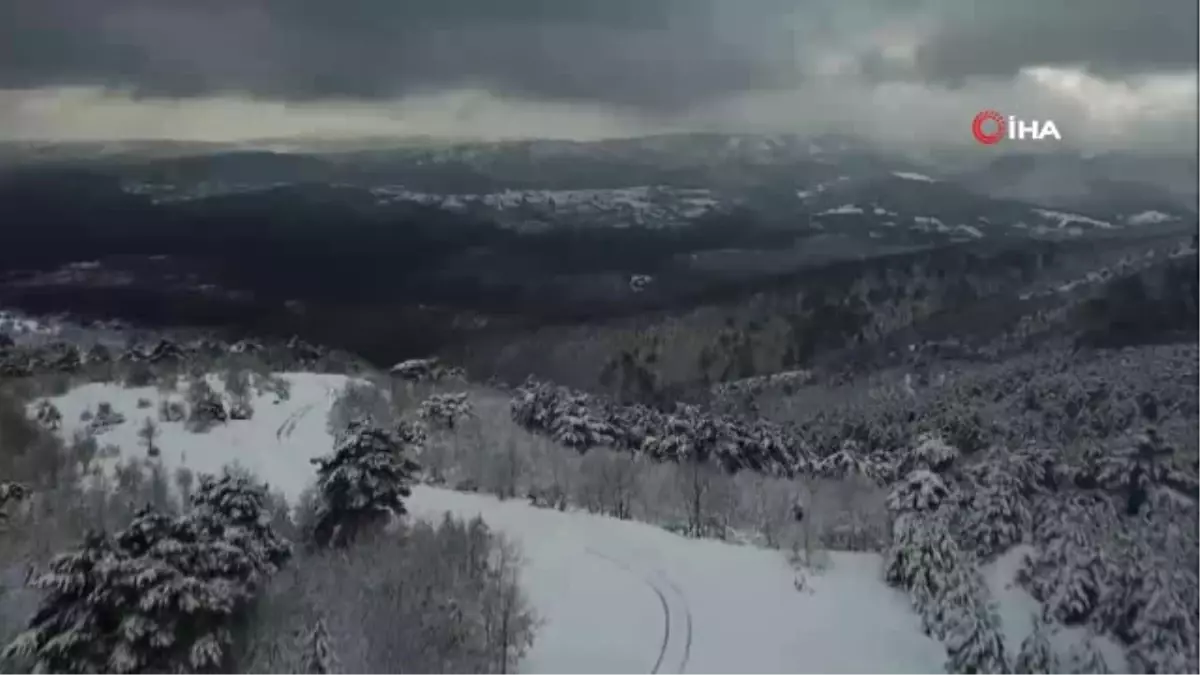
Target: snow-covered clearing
723 608
276 444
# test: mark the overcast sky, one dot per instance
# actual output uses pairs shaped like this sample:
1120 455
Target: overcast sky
1110 73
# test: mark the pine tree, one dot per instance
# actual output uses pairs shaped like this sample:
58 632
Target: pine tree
445 411
1085 659
234 509
1036 656
362 484
318 657
1137 469
931 452
175 590
921 490
997 515
974 642
1159 624
72 631
923 557
159 595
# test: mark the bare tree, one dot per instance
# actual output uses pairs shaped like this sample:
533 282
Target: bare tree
765 505
441 598
148 434
505 469
708 493
608 482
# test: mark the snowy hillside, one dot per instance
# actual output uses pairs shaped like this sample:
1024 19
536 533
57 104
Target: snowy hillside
670 604
276 444
613 595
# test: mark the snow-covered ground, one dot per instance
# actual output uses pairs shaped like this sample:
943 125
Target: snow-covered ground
276 444
623 597
614 596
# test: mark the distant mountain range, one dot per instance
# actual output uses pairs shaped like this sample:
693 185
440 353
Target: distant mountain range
456 237
829 187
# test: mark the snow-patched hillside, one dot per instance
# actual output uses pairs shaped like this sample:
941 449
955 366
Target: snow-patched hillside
614 596
276 444
19 327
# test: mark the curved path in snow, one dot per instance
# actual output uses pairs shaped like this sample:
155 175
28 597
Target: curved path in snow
662 599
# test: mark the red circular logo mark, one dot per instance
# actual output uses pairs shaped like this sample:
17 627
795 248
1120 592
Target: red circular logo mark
984 136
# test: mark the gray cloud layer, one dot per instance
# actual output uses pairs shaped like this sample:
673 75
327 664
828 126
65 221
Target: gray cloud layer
660 55
1107 37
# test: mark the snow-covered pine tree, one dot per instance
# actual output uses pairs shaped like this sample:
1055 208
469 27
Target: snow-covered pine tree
234 509
1137 469
923 557
845 462
72 631
574 425
921 490
1158 623
445 411
317 657
974 641
362 484
1036 656
174 592
1085 659
931 452
1037 469
997 514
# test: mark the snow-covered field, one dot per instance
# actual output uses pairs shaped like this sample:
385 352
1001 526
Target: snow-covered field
276 444
613 596
628 597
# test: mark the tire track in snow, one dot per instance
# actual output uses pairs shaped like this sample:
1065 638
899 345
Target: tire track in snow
662 599
289 424
687 617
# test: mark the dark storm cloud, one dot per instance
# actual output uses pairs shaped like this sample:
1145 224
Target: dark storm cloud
1109 38
657 55
652 53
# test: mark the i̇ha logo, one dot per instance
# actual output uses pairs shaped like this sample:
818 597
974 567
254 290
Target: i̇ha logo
990 127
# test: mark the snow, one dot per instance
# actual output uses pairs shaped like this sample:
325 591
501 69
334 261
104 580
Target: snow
1063 219
908 175
614 596
649 204
1017 609
843 210
16 325
276 444
1149 218
716 595
929 224
654 202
